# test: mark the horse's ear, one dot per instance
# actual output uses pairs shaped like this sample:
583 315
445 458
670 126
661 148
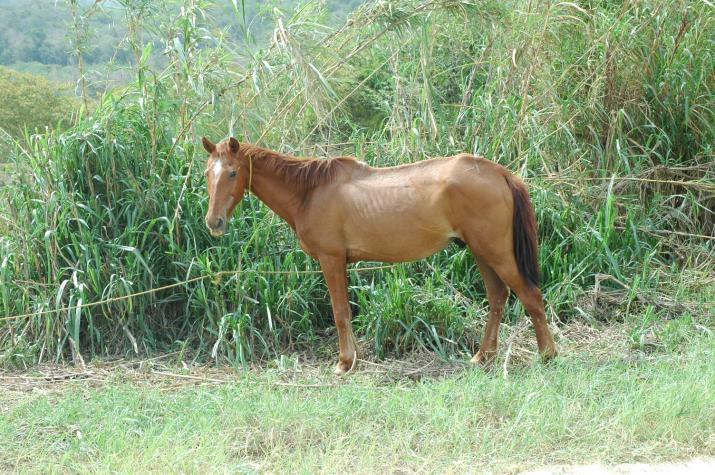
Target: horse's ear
233 145
210 148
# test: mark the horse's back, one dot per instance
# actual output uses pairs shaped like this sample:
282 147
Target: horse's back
394 214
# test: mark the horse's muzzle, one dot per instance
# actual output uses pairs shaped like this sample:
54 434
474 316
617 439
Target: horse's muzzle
217 227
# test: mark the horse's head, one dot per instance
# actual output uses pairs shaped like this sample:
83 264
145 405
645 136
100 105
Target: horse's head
226 180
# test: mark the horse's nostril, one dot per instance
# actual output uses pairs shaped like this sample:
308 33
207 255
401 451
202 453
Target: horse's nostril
220 222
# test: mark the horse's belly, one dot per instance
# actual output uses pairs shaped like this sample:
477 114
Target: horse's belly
395 241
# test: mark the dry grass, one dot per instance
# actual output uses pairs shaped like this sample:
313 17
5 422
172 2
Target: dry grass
173 370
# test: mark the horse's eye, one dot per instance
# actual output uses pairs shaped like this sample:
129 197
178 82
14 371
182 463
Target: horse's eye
232 174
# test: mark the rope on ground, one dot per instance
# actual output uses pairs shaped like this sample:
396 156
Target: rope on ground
184 282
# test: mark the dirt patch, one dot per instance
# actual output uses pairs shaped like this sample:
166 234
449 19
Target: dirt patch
166 373
694 467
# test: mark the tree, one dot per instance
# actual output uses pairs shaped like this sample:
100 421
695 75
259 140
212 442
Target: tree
32 102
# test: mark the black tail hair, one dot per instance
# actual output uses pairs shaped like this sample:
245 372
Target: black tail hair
526 235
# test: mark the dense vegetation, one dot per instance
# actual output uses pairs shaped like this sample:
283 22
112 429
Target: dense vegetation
605 108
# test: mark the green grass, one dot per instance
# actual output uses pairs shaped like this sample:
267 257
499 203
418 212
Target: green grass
622 406
4 173
606 110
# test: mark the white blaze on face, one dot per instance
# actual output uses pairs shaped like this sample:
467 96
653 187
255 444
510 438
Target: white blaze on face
217 169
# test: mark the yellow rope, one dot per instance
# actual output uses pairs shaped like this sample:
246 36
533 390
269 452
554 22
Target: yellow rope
178 284
667 231
694 183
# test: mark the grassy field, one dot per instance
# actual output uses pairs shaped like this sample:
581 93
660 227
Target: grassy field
605 109
606 399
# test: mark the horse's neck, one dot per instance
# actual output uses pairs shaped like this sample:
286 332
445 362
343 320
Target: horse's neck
278 194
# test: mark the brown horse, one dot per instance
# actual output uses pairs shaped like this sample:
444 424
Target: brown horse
346 211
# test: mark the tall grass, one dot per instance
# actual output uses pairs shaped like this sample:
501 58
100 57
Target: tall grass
573 97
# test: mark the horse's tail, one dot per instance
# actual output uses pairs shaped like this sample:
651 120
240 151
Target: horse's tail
526 247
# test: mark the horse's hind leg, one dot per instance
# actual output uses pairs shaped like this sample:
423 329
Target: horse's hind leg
533 302
497 294
500 261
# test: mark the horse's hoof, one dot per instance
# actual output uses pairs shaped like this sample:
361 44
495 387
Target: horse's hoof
343 368
549 354
483 358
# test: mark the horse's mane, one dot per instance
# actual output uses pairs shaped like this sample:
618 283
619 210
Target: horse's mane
304 173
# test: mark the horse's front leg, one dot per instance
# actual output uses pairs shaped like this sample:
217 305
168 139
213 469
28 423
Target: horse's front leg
334 270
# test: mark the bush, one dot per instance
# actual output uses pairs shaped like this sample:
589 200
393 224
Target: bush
32 103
